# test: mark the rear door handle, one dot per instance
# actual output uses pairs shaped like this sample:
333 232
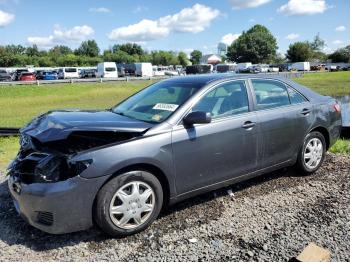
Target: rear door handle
248 124
305 111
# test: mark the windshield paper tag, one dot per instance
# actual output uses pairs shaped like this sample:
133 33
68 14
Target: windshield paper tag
166 107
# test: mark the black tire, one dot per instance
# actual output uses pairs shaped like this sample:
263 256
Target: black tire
105 196
301 164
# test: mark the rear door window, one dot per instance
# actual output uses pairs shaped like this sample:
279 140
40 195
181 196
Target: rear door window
270 94
295 97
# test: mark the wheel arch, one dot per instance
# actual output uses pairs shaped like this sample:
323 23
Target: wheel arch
324 131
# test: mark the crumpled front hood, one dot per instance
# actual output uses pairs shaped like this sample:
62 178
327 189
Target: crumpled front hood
58 125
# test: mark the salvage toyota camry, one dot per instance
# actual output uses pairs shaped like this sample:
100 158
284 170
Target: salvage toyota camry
175 139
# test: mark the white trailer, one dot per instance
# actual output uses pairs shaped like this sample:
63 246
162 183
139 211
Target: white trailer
301 66
143 69
107 70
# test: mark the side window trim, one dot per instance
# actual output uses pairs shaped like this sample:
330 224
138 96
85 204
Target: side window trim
249 96
273 80
296 91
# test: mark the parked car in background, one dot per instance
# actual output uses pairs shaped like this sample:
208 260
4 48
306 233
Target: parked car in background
50 75
68 73
4 75
243 67
143 69
199 69
107 70
121 70
39 74
88 73
225 68
17 74
130 69
27 76
117 168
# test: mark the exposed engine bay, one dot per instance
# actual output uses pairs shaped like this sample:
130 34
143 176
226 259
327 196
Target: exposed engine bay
39 162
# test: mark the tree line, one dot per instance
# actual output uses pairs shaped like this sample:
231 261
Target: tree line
257 45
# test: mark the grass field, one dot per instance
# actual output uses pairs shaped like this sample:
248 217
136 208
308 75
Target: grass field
332 84
19 104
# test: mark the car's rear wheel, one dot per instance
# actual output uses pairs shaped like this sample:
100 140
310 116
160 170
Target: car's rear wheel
312 153
128 203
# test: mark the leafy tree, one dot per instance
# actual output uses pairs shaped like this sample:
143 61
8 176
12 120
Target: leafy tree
318 43
88 48
341 55
15 49
164 58
129 48
257 45
32 51
60 50
299 52
183 59
196 56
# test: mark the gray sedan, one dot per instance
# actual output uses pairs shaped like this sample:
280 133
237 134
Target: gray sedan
174 139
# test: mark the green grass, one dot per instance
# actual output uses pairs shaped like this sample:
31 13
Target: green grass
19 104
8 150
342 146
332 84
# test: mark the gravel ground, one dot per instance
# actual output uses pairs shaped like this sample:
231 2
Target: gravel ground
270 218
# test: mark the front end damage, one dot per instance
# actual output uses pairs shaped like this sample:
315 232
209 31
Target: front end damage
50 162
45 183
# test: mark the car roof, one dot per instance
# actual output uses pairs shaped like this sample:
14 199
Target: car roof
206 79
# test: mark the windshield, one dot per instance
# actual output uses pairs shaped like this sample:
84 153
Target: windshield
110 69
157 102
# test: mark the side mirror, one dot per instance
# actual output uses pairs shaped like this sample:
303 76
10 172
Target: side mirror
198 117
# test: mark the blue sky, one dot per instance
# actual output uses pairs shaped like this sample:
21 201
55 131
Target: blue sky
171 25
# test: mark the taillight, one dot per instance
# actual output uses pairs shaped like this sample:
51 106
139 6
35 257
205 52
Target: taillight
337 108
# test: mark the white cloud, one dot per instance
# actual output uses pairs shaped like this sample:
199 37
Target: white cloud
61 36
145 30
139 9
229 38
337 42
252 20
303 7
340 28
292 36
99 10
239 4
189 20
6 18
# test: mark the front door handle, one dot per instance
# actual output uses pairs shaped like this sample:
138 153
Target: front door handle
305 111
248 125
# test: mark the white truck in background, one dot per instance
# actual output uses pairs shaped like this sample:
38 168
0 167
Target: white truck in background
107 70
300 66
143 69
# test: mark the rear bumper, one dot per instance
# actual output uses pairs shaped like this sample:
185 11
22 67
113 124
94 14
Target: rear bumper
56 208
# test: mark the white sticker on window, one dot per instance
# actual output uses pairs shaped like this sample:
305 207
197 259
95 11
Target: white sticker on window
166 107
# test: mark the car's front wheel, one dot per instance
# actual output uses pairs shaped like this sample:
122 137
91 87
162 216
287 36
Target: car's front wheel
128 203
312 153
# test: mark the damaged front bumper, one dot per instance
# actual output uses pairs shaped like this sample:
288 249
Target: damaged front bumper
56 208
49 193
